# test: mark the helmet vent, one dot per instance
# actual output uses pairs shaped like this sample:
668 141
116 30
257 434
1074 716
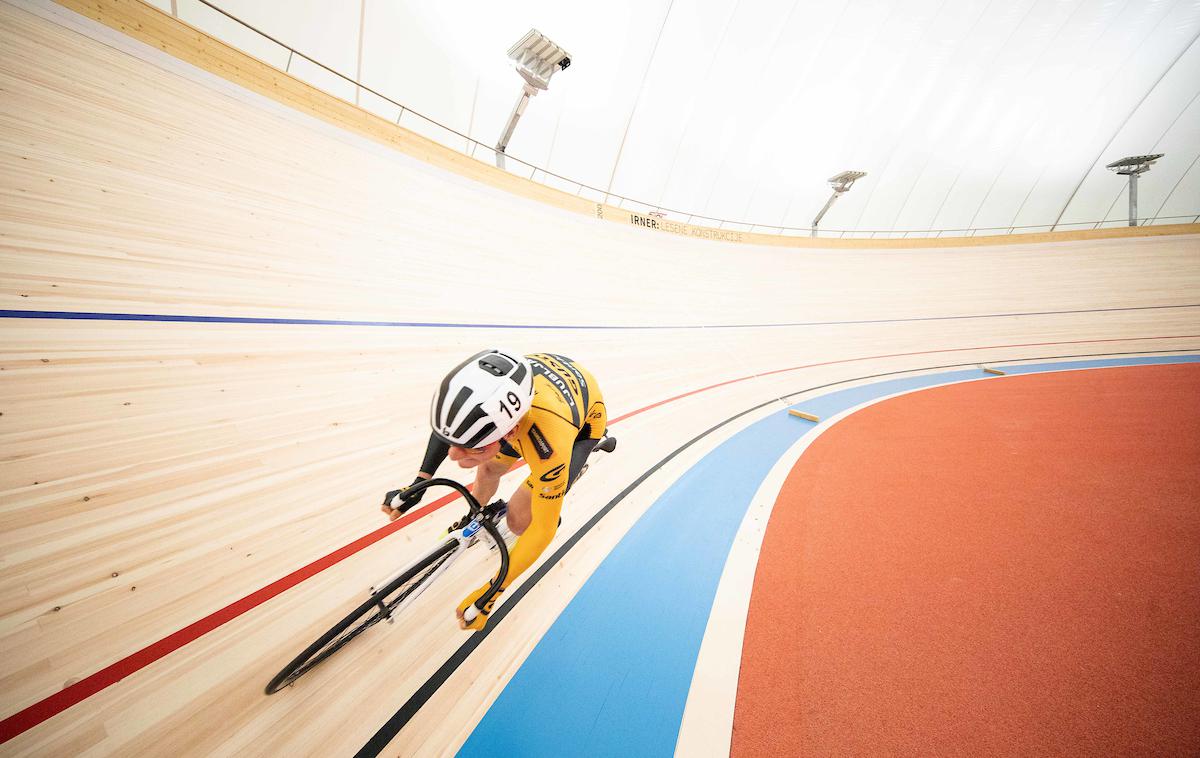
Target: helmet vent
496 365
459 399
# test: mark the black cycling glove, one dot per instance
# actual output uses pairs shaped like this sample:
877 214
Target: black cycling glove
397 500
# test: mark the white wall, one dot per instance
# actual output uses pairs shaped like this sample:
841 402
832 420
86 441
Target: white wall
966 114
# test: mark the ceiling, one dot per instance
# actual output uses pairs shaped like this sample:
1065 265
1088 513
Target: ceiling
963 113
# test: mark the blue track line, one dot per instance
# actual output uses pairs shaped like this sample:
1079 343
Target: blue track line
158 317
611 675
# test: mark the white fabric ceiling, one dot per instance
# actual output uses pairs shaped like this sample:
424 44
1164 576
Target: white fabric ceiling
964 113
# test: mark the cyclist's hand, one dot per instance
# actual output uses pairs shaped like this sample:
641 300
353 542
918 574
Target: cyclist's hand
396 503
480 620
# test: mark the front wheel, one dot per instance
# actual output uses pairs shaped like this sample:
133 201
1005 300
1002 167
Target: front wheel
379 607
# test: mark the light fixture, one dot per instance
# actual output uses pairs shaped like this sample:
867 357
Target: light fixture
841 184
1133 166
536 59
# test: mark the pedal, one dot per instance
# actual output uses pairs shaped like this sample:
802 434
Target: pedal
607 445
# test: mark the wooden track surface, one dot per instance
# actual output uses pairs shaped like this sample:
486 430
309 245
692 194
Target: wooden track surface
153 472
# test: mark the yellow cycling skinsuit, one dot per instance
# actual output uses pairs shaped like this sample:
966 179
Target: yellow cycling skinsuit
567 417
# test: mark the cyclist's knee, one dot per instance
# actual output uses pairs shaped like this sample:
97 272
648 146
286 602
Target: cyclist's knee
520 512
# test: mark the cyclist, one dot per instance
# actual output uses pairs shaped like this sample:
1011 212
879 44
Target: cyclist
495 408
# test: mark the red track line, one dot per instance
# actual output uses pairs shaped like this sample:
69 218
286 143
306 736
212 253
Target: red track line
879 357
48 707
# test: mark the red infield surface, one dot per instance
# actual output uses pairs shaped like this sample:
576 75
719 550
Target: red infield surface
1009 566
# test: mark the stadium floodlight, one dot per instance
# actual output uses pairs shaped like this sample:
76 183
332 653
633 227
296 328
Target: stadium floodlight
536 59
1133 166
841 184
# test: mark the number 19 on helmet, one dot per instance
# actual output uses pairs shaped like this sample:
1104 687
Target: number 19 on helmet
482 399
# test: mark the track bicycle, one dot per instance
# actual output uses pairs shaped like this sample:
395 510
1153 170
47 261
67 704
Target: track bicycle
395 593
398 591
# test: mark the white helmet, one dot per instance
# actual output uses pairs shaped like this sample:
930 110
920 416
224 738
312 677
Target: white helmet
482 399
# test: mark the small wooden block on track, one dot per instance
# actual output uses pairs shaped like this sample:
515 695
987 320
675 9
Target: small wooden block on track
803 415
995 371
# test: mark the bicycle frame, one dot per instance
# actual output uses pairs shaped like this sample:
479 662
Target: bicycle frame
410 581
463 537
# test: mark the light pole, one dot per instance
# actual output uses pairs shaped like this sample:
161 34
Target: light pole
1133 166
536 58
841 184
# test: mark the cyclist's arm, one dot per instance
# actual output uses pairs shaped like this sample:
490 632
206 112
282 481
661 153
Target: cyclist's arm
395 504
487 477
531 544
547 483
435 452
534 540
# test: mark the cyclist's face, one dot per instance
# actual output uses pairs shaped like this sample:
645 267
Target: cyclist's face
467 457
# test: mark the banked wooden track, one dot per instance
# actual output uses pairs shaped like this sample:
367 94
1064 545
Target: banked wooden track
155 471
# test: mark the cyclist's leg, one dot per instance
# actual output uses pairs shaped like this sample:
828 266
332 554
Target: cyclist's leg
591 433
520 508
520 511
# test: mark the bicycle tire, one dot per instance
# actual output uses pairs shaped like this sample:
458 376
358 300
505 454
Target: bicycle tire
344 631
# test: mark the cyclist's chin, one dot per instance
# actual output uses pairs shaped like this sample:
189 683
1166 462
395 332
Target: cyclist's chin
471 460
471 457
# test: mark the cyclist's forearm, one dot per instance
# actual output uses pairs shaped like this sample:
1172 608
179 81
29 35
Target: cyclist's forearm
533 541
485 485
435 452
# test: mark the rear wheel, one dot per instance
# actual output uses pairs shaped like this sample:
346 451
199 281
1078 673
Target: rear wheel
379 607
